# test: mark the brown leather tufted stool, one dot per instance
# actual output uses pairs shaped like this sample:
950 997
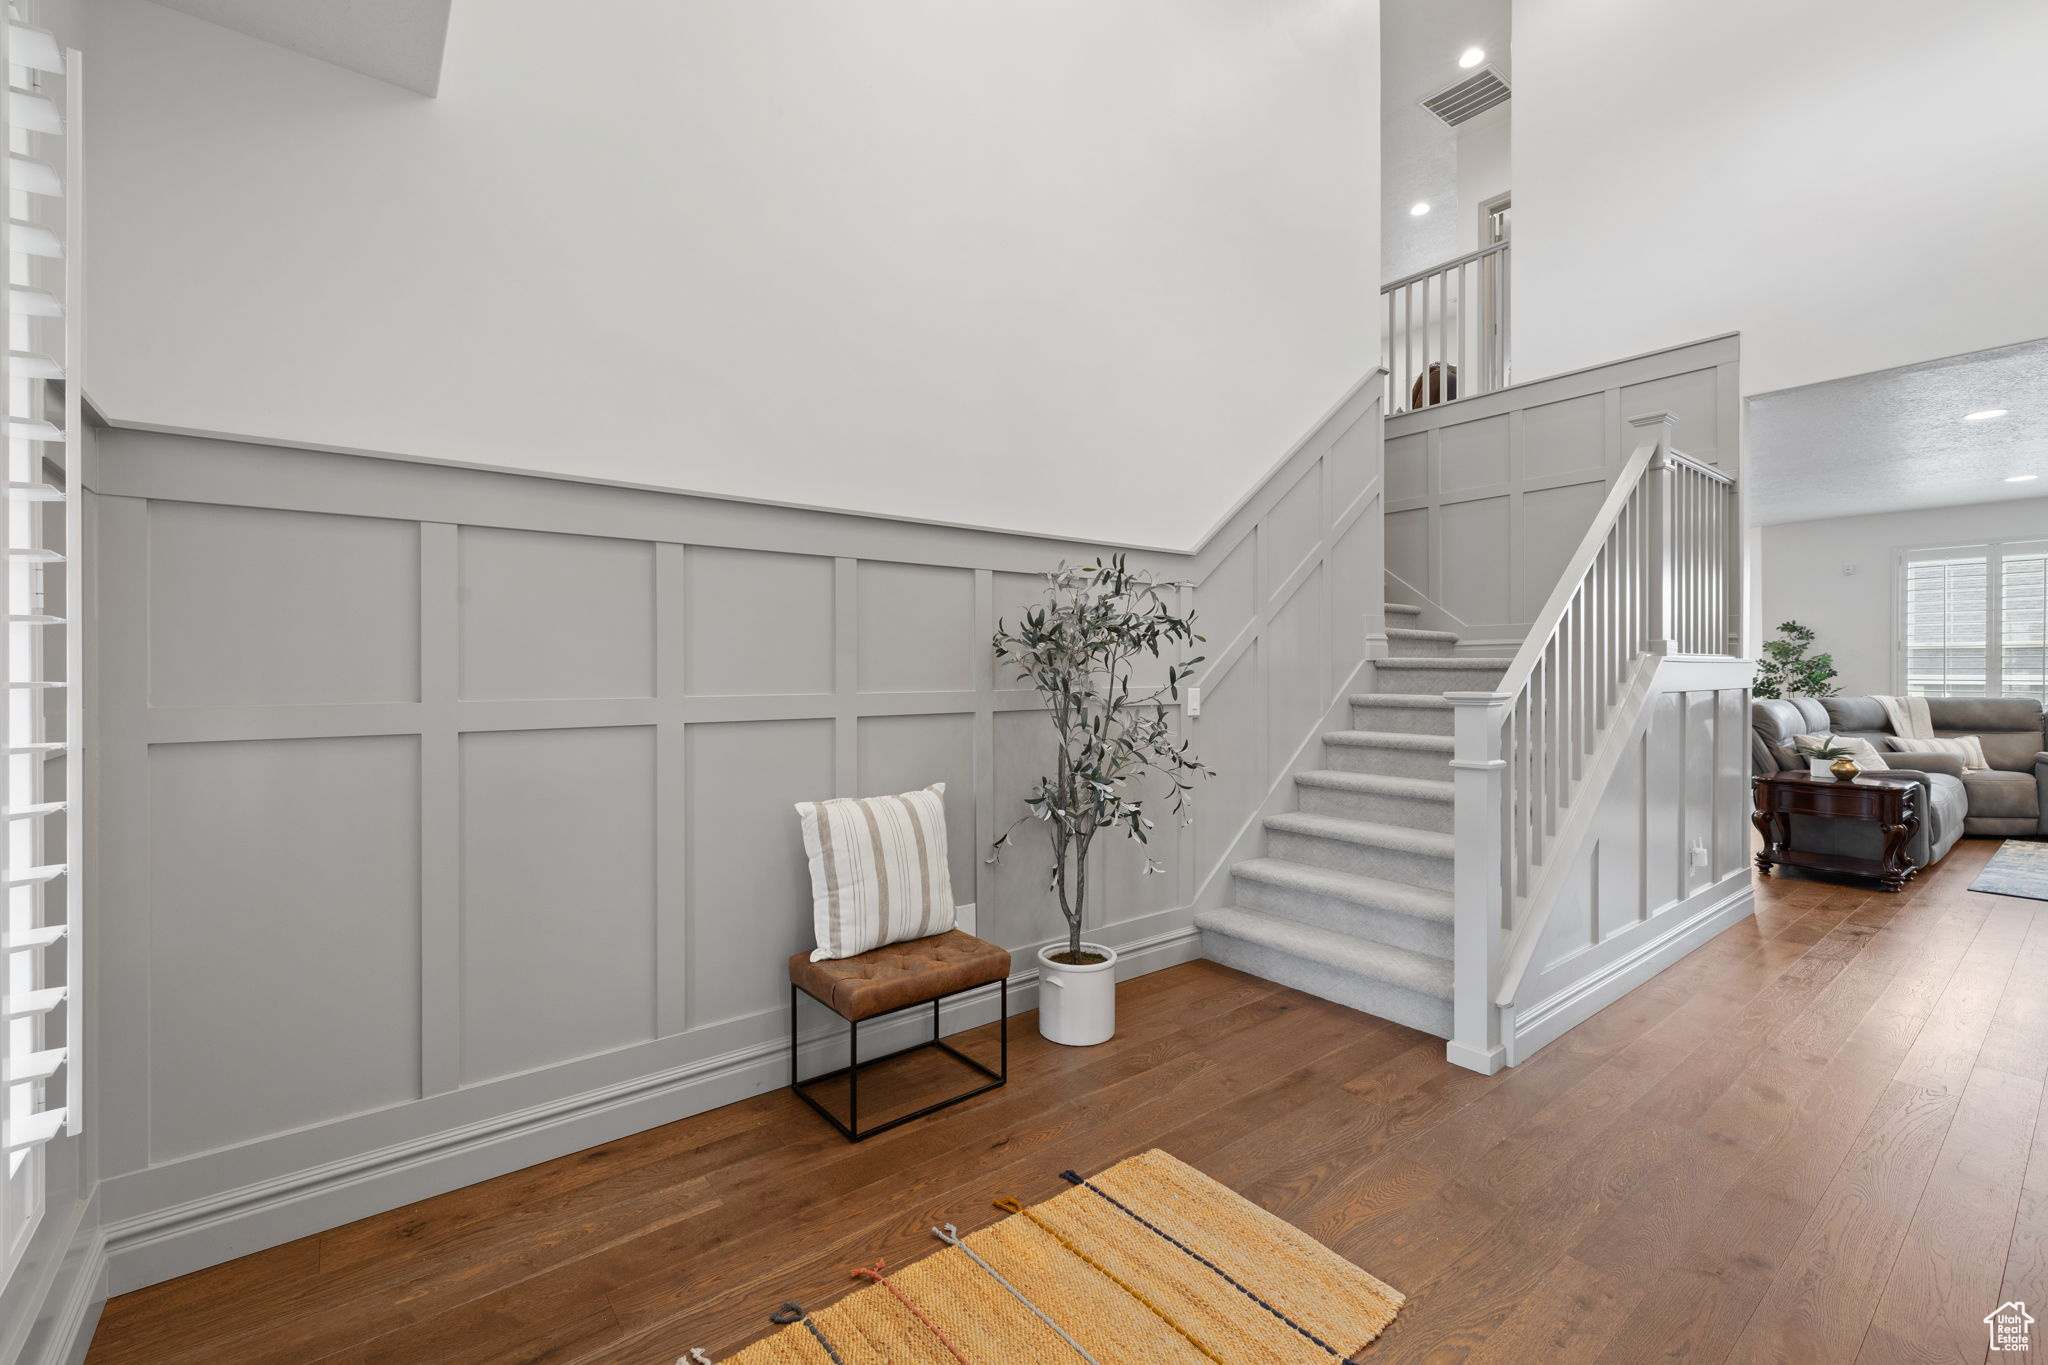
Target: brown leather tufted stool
898 976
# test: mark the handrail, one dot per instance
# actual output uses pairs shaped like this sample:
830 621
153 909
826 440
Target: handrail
1545 625
1657 575
1451 264
1679 458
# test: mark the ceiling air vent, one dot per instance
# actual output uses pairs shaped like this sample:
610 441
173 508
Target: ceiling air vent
1471 96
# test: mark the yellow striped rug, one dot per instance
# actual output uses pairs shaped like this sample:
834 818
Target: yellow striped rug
1149 1263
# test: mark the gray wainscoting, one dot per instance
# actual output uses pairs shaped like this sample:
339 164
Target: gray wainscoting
446 814
1667 864
1488 497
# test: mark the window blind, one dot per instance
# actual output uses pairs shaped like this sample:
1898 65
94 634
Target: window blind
2023 622
41 958
1975 620
1947 634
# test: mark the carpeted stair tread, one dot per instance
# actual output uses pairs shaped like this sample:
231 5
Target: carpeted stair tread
1390 739
1417 901
1463 663
1402 609
1418 701
1411 788
1425 842
1360 957
1407 633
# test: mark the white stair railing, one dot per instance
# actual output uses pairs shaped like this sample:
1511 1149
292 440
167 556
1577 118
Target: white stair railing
1447 330
1658 574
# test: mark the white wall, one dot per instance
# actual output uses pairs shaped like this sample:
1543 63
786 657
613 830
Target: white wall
1420 41
1837 179
1804 576
1062 266
1485 168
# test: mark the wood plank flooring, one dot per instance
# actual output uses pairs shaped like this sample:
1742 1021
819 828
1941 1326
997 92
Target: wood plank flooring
1818 1138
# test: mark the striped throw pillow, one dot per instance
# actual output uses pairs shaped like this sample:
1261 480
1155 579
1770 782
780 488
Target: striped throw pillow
878 870
1968 748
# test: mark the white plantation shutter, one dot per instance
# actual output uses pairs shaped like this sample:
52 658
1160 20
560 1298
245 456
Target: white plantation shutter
1947 626
2023 621
40 857
1975 620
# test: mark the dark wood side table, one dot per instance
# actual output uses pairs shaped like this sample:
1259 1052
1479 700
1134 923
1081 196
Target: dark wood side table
1893 803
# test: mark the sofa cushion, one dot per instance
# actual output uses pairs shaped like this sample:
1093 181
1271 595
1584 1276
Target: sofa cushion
1856 713
1773 722
2011 750
1982 715
901 974
1998 795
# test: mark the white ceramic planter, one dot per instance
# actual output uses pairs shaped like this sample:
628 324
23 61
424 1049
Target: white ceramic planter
1077 1004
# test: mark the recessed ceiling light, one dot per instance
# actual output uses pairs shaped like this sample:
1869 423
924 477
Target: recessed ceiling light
2021 478
1471 57
1985 415
1418 210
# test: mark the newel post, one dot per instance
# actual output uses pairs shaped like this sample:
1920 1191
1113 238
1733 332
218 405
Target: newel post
1481 893
1662 631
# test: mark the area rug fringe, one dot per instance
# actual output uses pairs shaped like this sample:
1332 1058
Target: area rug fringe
1148 1263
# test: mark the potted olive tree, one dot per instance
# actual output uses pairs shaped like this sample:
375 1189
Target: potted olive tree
1079 650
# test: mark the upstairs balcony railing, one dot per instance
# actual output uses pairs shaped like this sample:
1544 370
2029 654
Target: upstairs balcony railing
1447 330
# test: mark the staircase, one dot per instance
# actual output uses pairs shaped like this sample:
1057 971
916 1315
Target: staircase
1354 902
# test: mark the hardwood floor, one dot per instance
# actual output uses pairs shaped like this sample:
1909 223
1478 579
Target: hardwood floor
1818 1138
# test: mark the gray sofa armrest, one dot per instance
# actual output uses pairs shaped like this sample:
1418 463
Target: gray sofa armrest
2041 791
1934 763
1918 774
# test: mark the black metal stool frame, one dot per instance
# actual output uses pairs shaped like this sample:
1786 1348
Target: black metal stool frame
851 1129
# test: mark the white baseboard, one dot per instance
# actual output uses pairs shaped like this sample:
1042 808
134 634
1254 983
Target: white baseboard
176 1241
1485 1061
1692 923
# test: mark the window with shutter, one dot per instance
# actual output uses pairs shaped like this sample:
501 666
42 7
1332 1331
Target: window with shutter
1974 620
2023 622
41 857
1946 633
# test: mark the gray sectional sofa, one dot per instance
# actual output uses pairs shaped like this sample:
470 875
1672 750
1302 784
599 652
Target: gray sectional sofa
2009 800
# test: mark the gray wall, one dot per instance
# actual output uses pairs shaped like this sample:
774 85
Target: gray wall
446 822
1488 497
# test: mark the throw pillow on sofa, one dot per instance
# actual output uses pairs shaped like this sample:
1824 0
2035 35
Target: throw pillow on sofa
1968 748
1862 753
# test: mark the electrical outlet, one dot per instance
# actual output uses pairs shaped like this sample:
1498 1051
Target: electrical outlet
1194 702
1699 853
